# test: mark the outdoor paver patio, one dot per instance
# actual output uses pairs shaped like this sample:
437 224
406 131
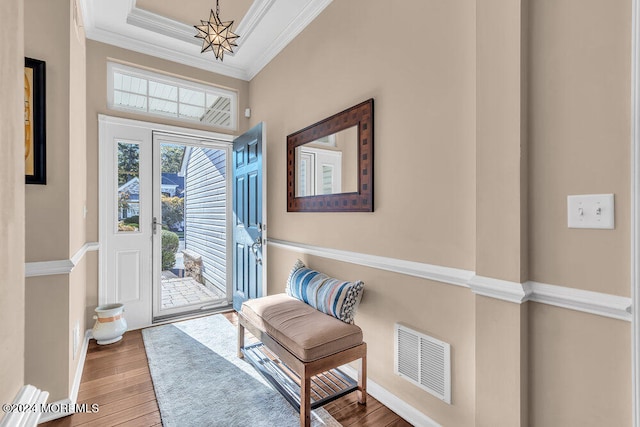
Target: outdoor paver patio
178 291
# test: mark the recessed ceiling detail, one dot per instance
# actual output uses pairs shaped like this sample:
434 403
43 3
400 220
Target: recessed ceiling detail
266 28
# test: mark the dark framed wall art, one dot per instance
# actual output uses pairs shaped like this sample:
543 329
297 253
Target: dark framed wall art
35 121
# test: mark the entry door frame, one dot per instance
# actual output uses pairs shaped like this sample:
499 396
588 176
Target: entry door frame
159 138
104 124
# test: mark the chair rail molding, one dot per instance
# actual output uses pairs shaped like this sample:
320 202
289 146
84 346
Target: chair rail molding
600 304
452 276
64 266
500 289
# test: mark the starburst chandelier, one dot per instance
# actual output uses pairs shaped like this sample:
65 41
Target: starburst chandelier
216 35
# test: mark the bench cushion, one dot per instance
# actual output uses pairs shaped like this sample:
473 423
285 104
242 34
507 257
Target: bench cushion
304 331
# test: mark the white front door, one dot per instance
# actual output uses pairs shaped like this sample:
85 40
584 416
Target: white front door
130 195
125 220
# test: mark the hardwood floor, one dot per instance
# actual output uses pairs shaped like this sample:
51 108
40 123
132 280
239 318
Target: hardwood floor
117 378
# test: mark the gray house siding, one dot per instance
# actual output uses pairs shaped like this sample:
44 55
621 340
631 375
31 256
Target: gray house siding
205 210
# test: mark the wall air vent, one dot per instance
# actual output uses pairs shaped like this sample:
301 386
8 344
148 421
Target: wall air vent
423 361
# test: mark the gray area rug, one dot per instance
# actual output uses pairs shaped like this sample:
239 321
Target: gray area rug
199 380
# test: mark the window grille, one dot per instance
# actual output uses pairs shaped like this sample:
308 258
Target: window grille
147 92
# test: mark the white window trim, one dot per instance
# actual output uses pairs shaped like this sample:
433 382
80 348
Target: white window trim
113 67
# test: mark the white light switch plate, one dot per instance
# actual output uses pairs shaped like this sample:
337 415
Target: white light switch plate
591 211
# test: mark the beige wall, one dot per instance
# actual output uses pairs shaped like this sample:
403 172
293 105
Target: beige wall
501 215
579 143
580 87
580 369
77 188
47 206
486 118
55 221
46 336
11 199
424 91
77 134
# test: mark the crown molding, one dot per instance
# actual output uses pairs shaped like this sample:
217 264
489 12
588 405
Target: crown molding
159 24
168 27
139 46
250 21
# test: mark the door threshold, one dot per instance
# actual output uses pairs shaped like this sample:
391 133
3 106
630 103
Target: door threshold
191 314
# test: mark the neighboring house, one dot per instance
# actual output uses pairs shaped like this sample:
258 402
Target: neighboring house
129 199
205 219
172 186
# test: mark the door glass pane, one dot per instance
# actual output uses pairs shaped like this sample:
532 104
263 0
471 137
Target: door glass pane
194 232
128 196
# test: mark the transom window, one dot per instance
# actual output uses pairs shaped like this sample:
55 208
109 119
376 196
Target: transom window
146 92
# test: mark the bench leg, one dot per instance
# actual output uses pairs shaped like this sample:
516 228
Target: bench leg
240 340
362 381
305 401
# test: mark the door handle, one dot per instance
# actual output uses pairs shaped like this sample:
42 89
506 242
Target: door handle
254 248
155 224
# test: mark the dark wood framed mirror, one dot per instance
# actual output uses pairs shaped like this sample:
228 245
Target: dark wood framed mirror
330 163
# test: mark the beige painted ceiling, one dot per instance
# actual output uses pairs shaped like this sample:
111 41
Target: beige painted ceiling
191 12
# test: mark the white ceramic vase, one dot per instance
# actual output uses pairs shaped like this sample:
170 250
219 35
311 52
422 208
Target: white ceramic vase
110 323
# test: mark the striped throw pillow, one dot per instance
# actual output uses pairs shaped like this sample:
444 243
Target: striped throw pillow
335 297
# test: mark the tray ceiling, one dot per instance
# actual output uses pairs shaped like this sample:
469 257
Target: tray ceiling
164 28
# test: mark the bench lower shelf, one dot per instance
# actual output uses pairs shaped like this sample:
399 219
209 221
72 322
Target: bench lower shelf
325 387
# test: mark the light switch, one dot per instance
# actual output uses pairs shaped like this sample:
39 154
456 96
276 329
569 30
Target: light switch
591 211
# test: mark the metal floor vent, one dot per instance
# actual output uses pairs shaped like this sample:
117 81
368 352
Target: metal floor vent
423 361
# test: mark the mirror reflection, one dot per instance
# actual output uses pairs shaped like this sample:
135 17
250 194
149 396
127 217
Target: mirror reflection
328 165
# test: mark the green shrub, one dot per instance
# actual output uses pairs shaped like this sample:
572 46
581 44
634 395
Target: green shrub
170 244
172 211
132 220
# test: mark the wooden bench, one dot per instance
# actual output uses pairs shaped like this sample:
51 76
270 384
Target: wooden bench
308 342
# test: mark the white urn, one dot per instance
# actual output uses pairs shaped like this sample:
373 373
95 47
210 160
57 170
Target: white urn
110 323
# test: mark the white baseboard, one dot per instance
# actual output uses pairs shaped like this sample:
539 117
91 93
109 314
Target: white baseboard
67 406
83 355
29 397
391 401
